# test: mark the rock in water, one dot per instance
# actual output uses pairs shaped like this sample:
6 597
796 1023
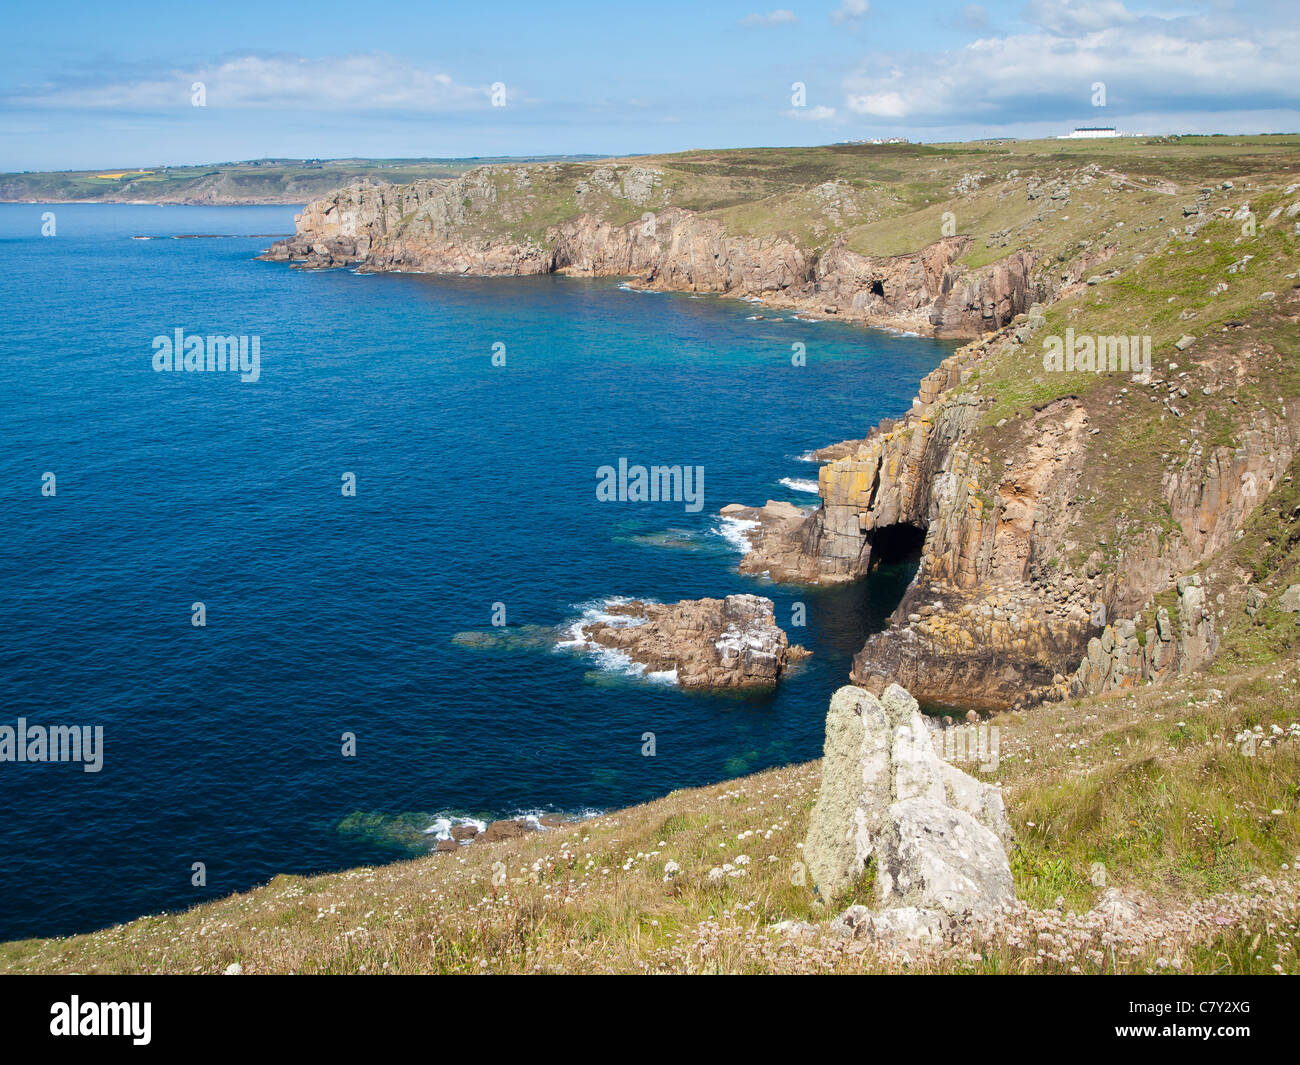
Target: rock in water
934 833
710 643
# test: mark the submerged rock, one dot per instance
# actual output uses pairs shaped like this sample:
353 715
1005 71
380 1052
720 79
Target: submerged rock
709 643
933 834
508 638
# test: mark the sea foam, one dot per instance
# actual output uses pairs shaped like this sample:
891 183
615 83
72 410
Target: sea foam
734 531
799 484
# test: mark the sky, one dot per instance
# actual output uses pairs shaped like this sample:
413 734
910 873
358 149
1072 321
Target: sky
94 85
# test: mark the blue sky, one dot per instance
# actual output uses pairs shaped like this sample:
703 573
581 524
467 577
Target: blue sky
102 85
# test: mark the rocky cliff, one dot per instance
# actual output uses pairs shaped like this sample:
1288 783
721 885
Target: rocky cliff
998 612
439 227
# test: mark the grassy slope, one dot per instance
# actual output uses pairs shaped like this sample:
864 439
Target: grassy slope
1152 784
891 199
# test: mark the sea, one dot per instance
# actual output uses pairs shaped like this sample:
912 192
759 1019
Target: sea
319 609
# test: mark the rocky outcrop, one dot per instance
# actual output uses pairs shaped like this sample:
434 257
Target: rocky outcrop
452 834
933 836
708 643
463 226
980 624
1124 656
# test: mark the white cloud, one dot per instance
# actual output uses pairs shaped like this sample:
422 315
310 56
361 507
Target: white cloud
364 82
880 104
850 10
1149 65
820 113
780 17
1077 16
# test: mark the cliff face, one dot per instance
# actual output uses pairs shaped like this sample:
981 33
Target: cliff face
681 252
1124 656
421 228
928 290
430 227
991 619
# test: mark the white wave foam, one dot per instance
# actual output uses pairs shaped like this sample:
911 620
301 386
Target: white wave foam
594 611
734 531
799 484
610 659
444 823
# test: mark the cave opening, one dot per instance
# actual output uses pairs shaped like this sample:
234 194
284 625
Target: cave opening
878 288
893 545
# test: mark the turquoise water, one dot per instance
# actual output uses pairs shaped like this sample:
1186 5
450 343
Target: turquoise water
327 613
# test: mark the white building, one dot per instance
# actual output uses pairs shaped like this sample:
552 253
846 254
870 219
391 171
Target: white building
1090 132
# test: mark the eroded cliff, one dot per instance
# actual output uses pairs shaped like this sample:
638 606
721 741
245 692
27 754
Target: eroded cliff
1030 541
441 227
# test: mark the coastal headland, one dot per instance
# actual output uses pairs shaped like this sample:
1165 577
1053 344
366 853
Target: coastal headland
1108 565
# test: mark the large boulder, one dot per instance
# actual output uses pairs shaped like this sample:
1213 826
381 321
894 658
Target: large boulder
934 834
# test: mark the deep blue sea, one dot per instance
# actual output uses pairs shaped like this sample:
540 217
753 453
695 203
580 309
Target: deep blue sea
327 613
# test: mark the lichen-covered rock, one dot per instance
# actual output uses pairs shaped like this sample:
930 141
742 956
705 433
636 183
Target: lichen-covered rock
934 834
1117 908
